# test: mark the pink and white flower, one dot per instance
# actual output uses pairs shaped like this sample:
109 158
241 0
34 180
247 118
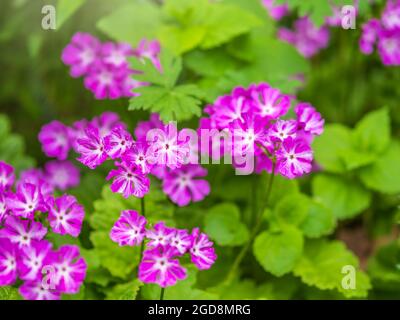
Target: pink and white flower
22 232
202 251
62 174
55 141
8 262
7 176
160 266
129 229
184 185
118 142
91 148
66 215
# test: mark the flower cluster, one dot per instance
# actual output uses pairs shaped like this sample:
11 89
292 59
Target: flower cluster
253 118
24 251
164 246
105 66
306 37
385 33
158 149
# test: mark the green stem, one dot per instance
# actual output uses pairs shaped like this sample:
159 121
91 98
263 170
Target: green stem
143 212
254 232
162 294
254 199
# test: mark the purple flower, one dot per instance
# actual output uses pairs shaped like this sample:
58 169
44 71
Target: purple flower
181 240
183 185
62 174
70 269
91 148
22 232
129 229
55 141
145 126
277 12
294 158
160 266
230 108
8 262
306 37
81 53
35 290
160 235
36 177
150 50
118 142
139 156
202 251
268 102
116 54
129 180
6 176
26 201
3 207
31 259
369 36
309 119
66 215
105 81
389 47
283 129
106 122
166 148
391 15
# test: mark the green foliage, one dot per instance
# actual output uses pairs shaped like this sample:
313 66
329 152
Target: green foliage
345 197
278 252
222 223
12 147
171 101
9 293
126 291
321 266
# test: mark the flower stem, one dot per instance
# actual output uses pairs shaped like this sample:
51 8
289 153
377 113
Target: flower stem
254 231
143 212
162 294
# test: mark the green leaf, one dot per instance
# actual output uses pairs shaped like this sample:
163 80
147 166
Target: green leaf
163 97
384 175
180 103
65 9
330 147
211 63
319 220
292 209
125 291
9 293
321 266
372 133
222 223
279 252
132 22
12 147
383 268
345 197
203 24
222 24
282 288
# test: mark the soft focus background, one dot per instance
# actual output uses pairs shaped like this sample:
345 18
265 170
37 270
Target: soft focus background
342 83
